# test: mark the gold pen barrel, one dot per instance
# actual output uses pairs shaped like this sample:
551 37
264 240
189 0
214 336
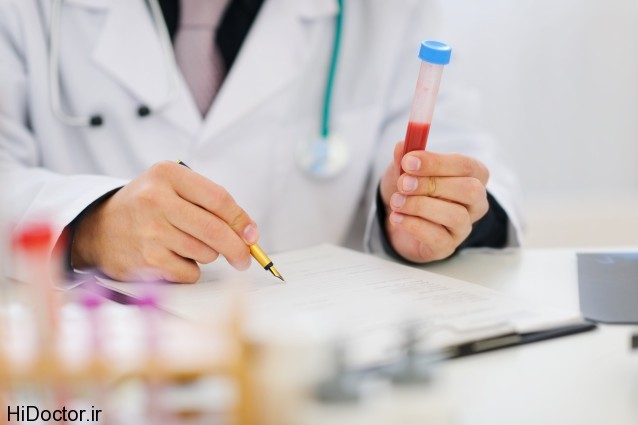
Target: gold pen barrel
264 261
260 256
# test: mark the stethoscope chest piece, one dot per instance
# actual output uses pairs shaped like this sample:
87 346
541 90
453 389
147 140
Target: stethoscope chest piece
324 157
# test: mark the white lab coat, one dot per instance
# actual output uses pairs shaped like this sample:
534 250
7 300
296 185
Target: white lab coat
112 62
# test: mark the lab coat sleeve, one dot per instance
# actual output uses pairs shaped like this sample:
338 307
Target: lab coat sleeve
29 192
456 125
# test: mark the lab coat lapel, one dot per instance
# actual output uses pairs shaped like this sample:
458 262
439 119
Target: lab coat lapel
271 56
130 50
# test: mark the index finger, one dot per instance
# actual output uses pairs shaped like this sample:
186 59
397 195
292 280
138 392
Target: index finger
425 164
199 190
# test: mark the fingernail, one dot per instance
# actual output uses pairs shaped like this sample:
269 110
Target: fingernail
409 183
411 163
397 200
396 218
251 234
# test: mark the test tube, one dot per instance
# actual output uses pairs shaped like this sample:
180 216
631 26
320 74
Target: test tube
33 244
434 56
148 304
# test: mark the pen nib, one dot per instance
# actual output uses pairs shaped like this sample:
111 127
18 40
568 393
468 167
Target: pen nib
275 273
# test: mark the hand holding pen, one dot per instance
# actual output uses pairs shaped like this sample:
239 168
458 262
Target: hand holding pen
257 253
161 225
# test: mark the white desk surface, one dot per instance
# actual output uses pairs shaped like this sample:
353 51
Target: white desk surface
583 379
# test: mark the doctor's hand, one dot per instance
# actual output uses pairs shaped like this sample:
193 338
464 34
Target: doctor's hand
432 206
161 225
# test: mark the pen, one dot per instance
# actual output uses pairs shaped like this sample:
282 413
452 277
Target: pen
257 253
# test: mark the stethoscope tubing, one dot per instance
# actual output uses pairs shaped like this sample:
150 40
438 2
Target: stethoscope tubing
327 100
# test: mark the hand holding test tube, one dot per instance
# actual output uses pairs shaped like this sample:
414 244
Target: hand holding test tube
431 199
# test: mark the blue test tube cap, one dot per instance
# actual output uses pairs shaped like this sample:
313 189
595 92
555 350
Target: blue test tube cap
435 52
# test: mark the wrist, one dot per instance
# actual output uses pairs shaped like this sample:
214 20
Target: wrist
82 239
84 234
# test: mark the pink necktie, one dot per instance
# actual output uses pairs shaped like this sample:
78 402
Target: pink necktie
197 55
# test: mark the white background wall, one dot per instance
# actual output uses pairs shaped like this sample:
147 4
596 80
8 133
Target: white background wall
559 82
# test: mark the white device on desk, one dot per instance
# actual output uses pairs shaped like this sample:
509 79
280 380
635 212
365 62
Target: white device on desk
608 286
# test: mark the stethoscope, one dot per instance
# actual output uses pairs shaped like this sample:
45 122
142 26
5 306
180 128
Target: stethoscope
326 156
321 158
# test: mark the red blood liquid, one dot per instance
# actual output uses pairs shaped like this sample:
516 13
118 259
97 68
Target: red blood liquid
416 137
36 237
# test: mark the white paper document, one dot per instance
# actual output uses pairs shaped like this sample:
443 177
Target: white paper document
364 298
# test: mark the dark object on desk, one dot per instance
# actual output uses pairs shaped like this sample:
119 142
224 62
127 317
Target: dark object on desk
343 386
413 368
608 287
513 340
486 345
634 341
